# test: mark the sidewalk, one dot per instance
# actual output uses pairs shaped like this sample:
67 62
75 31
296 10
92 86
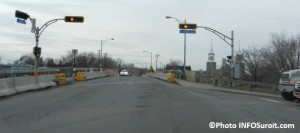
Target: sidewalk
212 87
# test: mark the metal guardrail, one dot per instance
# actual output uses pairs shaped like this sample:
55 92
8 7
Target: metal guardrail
247 85
26 72
68 71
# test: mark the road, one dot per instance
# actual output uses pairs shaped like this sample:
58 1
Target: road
139 105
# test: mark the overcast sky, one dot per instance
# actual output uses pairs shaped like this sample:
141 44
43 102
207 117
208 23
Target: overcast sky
139 25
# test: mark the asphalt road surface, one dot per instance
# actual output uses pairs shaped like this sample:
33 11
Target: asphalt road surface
140 105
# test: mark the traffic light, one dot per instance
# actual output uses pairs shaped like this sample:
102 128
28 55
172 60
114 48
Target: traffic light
74 19
37 51
187 26
21 15
229 58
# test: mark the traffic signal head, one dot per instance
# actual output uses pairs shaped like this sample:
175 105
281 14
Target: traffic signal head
21 15
229 57
74 19
187 26
37 51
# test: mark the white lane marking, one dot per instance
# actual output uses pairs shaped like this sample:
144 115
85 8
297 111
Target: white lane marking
270 100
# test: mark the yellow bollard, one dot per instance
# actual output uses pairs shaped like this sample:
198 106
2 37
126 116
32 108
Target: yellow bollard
171 78
60 78
80 76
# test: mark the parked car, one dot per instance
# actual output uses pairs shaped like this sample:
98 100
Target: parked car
124 73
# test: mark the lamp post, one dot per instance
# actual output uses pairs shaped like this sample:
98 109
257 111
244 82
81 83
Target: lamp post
184 59
102 43
150 56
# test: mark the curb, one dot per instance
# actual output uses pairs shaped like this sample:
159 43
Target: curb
226 89
216 88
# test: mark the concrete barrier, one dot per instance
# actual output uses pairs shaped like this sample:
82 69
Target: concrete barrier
94 75
89 75
26 83
7 87
46 81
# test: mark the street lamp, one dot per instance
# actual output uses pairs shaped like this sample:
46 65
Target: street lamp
184 62
102 43
150 56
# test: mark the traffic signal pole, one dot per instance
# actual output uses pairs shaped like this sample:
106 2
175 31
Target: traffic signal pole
38 32
184 60
225 38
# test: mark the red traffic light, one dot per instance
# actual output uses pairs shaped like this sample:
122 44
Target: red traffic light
187 26
74 19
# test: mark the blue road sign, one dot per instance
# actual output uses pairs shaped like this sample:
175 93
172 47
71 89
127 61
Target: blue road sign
188 31
21 21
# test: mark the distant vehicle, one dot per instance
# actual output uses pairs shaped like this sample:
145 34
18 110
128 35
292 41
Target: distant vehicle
124 73
287 83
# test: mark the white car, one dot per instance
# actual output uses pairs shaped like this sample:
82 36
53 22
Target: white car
124 73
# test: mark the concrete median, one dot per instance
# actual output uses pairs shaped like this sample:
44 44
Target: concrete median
7 87
89 75
95 75
26 83
46 81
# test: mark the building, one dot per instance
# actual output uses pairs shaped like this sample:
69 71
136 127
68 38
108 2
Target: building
211 65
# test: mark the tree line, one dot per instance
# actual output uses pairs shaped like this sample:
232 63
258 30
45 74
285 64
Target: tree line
83 59
267 63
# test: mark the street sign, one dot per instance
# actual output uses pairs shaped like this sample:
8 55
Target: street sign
188 31
21 21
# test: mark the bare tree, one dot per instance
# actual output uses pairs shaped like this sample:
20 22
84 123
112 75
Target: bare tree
66 60
49 62
282 55
175 63
82 59
108 62
28 59
252 58
285 51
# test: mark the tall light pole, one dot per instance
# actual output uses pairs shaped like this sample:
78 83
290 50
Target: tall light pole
150 56
184 60
102 43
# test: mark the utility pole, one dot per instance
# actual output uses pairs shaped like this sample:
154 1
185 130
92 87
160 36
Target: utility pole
99 57
102 43
156 61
